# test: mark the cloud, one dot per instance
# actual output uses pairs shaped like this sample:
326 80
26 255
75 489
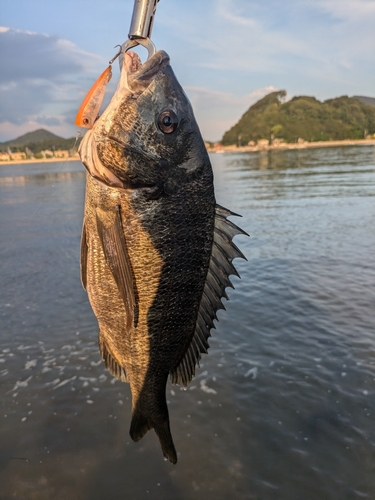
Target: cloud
349 10
227 12
326 33
311 47
48 120
249 41
319 46
42 76
20 100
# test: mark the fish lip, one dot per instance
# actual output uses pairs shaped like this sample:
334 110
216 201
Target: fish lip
101 179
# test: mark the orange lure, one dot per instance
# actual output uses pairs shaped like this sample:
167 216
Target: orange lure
89 109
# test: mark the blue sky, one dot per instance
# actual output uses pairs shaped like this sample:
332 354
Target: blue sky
227 54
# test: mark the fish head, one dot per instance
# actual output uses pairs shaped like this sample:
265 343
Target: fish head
148 135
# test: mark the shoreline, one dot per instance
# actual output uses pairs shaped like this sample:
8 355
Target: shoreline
40 160
223 149
285 146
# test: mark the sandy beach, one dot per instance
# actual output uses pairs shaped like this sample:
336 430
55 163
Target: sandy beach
304 145
34 160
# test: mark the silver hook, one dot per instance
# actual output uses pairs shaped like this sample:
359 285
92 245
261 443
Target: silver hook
116 56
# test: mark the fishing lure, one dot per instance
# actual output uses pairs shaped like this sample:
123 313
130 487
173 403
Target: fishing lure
89 109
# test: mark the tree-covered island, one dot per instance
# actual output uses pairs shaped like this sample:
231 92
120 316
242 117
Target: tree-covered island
303 118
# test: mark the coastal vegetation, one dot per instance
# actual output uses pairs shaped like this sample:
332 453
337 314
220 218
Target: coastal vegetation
38 141
303 118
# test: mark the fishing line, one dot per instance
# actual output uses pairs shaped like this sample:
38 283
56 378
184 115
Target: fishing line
78 136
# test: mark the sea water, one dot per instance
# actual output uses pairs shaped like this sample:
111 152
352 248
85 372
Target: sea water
282 407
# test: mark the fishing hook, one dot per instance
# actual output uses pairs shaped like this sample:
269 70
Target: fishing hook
117 55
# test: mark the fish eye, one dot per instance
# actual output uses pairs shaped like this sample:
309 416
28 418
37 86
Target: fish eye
168 121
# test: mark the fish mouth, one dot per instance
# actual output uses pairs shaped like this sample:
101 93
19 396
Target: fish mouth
139 76
134 80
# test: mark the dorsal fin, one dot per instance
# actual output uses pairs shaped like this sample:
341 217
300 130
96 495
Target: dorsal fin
220 268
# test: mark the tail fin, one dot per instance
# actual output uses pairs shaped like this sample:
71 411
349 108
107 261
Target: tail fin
163 432
140 424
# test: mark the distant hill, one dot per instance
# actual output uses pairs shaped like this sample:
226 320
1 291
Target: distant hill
37 141
303 117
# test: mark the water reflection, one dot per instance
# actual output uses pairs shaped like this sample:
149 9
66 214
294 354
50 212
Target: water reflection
40 179
300 174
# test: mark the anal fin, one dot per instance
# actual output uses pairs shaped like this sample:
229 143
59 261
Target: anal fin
110 361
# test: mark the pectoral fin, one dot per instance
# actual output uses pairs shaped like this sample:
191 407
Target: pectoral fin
115 250
84 249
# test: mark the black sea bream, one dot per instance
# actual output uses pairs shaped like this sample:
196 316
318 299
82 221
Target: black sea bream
156 249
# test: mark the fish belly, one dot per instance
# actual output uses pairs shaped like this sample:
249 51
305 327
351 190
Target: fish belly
169 245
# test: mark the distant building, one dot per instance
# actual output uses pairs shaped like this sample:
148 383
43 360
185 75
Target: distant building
61 153
29 153
18 156
4 156
73 153
47 153
278 142
263 143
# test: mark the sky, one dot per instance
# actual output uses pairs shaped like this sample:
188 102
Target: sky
227 54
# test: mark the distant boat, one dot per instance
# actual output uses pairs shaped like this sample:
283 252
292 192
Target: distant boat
220 151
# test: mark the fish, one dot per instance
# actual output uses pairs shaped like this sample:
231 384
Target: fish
156 248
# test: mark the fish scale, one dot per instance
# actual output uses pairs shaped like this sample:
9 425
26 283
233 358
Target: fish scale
156 250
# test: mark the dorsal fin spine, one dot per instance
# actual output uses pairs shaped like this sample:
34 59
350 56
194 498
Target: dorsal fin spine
223 260
228 227
214 297
220 267
213 282
208 306
227 246
220 273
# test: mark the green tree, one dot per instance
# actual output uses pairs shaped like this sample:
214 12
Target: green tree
303 116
